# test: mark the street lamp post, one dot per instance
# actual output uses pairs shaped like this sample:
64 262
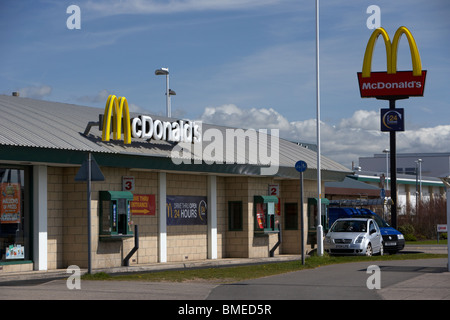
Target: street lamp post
420 178
319 186
446 180
160 72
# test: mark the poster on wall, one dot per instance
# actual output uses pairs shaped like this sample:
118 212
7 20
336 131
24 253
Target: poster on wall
9 202
186 210
143 205
15 251
260 217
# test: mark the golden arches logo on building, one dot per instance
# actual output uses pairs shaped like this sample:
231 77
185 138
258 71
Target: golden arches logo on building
144 127
392 82
118 109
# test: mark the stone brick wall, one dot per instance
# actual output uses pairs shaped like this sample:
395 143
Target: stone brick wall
67 219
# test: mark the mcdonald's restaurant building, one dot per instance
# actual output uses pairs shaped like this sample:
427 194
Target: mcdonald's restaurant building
181 193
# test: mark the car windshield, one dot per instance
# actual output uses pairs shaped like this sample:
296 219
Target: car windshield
349 226
380 222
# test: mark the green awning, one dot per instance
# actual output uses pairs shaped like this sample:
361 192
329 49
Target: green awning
108 195
266 199
322 201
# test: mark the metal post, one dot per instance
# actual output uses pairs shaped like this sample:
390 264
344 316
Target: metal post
446 181
89 212
393 150
420 179
448 226
302 219
169 113
319 187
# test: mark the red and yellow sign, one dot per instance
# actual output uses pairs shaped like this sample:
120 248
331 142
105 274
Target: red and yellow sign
117 108
10 202
391 83
143 205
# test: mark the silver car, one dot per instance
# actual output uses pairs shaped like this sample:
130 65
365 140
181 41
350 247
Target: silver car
356 236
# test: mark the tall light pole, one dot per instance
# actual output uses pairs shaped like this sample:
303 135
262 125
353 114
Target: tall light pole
420 178
160 72
446 180
319 186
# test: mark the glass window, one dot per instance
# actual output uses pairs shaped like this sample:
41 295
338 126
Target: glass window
14 215
349 226
291 216
265 217
235 218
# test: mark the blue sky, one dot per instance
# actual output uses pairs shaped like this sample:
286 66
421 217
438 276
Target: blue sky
243 63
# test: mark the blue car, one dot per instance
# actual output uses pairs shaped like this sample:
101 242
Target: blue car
393 240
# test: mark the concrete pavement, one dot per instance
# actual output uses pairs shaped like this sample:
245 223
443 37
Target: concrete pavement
427 286
400 280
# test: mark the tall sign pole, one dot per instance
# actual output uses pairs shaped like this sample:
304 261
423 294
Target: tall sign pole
392 85
393 148
89 171
301 166
319 185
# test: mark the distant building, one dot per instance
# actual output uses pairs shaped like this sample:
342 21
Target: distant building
417 178
409 189
431 165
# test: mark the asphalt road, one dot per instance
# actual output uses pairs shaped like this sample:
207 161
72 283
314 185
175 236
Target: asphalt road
402 279
333 282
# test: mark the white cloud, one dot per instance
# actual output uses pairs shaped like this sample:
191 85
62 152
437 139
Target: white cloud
353 137
100 96
362 119
35 92
233 116
172 6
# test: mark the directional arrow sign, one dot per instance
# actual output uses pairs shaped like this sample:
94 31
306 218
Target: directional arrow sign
143 204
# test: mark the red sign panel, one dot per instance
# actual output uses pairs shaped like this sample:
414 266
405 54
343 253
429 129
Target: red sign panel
382 84
143 205
10 203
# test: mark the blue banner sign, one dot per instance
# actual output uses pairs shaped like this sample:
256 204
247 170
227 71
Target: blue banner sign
186 210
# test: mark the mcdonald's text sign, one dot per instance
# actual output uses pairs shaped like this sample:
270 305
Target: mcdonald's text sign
392 82
144 127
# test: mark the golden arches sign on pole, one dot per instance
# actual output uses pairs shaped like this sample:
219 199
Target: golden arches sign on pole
391 51
392 85
391 82
415 57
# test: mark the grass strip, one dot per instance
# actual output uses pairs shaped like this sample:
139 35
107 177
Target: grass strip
239 273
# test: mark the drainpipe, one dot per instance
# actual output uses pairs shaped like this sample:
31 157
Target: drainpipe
272 251
126 261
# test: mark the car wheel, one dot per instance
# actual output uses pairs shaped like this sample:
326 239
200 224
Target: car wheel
369 250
